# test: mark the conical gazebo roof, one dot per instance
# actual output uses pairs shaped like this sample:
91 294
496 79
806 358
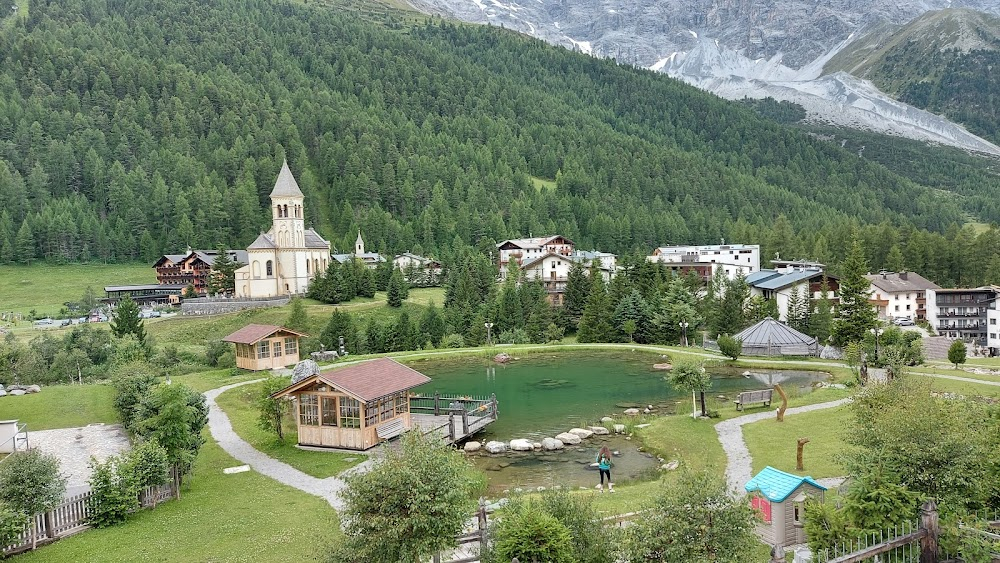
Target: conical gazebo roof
772 333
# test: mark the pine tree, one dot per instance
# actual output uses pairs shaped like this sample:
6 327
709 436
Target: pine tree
366 282
128 320
223 275
632 318
298 318
24 244
383 273
798 308
856 316
432 324
595 324
678 305
894 260
394 292
575 298
730 309
340 324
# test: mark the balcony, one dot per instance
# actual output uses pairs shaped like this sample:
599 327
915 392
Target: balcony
976 327
967 314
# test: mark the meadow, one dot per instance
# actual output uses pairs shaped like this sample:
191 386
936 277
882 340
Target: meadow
45 288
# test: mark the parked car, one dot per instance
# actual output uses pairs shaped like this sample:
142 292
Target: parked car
66 322
43 322
904 321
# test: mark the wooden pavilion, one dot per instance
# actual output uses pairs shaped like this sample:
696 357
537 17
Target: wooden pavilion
357 406
260 347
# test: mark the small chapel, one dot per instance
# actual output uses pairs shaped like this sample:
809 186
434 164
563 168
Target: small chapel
283 260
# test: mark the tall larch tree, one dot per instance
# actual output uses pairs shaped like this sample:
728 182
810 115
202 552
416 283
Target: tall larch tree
856 316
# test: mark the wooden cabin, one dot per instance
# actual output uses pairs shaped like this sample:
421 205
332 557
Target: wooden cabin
354 407
260 347
780 499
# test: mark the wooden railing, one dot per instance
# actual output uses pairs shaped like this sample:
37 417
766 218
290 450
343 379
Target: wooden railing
905 542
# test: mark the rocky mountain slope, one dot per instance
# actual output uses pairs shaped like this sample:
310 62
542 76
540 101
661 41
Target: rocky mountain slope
747 48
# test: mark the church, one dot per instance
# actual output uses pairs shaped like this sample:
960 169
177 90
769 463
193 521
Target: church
283 260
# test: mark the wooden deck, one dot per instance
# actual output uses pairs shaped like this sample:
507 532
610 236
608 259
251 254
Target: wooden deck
452 419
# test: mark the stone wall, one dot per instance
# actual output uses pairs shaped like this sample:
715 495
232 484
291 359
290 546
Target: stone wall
217 306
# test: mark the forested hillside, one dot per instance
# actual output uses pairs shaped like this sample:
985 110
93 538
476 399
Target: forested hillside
129 129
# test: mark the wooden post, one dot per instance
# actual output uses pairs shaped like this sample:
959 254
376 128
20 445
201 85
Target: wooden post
437 404
798 453
481 514
465 422
50 525
493 397
451 426
929 523
784 402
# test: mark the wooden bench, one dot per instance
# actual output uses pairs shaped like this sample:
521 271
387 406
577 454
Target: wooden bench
749 397
390 429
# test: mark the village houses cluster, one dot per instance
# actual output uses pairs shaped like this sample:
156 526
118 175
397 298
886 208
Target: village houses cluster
282 261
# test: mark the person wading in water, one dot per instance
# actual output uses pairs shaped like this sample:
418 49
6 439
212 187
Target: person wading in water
604 466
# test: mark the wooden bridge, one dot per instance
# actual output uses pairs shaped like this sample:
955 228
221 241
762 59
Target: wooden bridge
453 419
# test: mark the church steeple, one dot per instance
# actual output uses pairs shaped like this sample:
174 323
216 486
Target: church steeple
359 245
286 210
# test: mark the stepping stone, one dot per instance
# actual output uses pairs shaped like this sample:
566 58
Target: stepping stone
237 469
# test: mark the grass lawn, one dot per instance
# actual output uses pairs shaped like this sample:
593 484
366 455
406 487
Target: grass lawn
61 406
960 387
240 517
205 380
22 13
45 287
541 183
774 443
243 416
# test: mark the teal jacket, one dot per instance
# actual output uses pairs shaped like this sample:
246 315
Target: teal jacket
603 462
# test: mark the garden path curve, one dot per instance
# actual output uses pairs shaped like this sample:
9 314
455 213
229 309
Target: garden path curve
739 468
222 431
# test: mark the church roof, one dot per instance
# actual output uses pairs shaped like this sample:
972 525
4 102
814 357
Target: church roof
262 242
285 185
313 240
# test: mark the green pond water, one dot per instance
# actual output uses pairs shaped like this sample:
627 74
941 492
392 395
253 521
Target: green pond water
542 395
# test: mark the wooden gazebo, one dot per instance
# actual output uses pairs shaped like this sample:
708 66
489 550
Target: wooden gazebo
354 407
260 347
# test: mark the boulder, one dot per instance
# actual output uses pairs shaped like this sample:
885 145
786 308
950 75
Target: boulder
17 392
1 387
3 393
495 447
673 464
581 432
536 445
831 353
473 446
33 389
521 445
567 438
599 430
619 429
304 369
631 412
607 419
550 444
663 367
502 358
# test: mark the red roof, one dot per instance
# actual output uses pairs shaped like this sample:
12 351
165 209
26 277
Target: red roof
376 378
251 334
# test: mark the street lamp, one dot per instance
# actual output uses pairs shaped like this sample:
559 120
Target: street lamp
684 328
489 334
876 330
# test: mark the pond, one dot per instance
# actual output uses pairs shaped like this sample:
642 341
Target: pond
541 395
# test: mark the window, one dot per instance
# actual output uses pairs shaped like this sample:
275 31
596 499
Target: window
897 307
371 414
797 512
277 349
291 346
309 410
350 413
761 505
269 268
402 403
993 321
263 350
907 306
386 409
329 411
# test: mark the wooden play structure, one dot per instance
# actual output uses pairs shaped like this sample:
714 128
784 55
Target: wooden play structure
780 499
260 347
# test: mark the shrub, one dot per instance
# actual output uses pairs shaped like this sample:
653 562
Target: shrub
130 389
12 524
516 336
214 350
150 463
531 534
730 346
453 341
554 333
114 489
30 484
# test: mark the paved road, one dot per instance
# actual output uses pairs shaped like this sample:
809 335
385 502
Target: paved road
218 423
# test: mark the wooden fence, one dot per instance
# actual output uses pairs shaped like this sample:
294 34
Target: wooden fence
70 517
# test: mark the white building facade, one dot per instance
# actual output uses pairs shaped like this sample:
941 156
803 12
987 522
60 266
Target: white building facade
552 270
526 250
902 295
706 260
283 260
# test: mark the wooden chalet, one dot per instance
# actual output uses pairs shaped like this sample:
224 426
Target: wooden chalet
260 347
356 407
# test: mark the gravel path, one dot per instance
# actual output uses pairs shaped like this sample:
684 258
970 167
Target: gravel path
218 423
739 466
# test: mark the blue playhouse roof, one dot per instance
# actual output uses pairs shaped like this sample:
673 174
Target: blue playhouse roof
777 485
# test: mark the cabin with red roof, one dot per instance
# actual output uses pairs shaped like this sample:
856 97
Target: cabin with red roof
260 347
354 407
